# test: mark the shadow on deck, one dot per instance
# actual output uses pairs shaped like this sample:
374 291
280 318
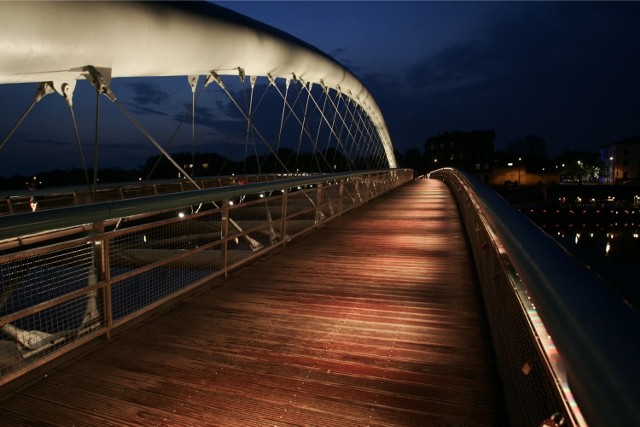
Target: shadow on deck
375 319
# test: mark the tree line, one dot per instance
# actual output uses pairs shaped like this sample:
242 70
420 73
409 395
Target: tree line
197 164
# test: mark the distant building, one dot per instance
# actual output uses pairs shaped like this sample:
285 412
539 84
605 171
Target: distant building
621 160
518 175
471 151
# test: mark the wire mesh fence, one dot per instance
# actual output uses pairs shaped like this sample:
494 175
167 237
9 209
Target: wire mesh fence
64 288
532 385
49 298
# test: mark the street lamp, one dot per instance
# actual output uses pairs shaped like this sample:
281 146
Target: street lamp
519 166
611 170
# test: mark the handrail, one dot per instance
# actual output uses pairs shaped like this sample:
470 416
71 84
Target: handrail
35 222
596 334
71 275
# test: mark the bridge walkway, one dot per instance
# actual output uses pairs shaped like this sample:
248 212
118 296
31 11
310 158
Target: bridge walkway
375 319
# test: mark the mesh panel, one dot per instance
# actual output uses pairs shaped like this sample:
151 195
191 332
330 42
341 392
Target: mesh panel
529 390
165 258
46 301
45 280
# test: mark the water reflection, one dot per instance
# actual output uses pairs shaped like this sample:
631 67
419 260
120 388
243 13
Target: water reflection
611 251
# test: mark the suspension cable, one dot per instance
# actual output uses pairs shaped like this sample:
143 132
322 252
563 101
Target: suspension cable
208 80
193 80
43 89
154 142
67 93
95 148
343 125
324 118
253 127
282 113
320 123
342 143
303 127
339 140
252 84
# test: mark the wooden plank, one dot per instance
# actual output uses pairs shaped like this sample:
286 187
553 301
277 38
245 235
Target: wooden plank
375 319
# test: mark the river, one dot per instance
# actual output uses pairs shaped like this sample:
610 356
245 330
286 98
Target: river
613 253
599 225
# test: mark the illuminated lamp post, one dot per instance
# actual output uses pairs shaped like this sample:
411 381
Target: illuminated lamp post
614 169
519 166
611 169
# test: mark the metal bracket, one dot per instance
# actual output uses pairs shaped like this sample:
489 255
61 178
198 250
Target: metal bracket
65 89
208 80
44 89
324 86
193 82
100 79
217 78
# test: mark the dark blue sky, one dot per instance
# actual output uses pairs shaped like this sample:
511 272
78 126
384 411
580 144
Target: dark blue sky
568 72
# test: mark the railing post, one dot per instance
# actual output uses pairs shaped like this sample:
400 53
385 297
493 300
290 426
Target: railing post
319 200
357 190
9 205
283 216
340 197
101 272
224 231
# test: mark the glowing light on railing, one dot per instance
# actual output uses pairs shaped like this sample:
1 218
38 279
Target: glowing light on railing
261 195
144 238
607 248
230 202
181 215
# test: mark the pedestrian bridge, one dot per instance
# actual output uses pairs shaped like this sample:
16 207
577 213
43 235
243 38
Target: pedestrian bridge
369 299
350 294
361 322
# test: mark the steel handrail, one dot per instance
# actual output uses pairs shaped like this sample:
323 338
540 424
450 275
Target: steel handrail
596 333
23 224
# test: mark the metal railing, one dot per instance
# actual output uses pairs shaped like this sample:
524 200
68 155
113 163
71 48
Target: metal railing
70 275
21 201
567 346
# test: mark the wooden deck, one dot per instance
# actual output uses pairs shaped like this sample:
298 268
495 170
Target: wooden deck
374 320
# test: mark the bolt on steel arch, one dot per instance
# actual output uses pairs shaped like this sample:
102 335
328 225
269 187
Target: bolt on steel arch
288 98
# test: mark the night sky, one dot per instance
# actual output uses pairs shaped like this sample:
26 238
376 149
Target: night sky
568 72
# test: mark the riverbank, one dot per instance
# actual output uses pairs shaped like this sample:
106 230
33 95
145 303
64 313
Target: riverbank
570 193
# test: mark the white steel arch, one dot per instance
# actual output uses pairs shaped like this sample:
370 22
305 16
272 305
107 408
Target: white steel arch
55 41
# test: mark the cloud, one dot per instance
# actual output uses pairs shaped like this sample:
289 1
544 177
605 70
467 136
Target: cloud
147 93
452 68
566 71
